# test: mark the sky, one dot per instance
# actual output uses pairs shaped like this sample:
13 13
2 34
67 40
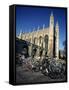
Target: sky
29 18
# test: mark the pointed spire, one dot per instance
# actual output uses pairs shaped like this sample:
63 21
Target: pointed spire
20 31
23 32
51 13
57 25
38 28
43 26
51 19
20 34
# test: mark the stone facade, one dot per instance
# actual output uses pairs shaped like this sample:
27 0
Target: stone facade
45 38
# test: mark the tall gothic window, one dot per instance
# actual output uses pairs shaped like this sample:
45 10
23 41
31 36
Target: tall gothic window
35 40
46 43
40 39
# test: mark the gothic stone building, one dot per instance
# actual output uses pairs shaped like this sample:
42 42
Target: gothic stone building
45 40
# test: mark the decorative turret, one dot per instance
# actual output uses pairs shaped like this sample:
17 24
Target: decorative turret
38 28
51 36
43 26
57 40
20 35
57 26
51 19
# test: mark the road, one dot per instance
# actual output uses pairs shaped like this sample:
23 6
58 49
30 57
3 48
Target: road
25 75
